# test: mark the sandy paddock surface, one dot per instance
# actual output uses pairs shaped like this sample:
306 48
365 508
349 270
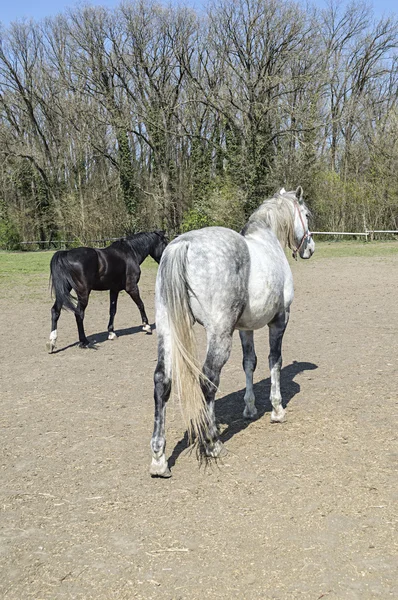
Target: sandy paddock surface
304 509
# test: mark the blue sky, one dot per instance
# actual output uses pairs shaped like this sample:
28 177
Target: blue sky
12 10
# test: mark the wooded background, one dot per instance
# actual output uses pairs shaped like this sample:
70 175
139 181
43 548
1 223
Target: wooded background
152 115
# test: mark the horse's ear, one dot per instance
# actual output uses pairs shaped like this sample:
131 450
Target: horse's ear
282 191
299 194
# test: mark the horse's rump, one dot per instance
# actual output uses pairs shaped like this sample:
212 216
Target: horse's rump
63 280
214 264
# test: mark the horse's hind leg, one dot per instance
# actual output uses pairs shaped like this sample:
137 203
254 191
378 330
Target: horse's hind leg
112 311
55 313
218 351
249 366
162 381
276 330
80 308
134 294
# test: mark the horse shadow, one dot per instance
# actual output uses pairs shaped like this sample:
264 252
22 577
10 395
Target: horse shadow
99 338
229 409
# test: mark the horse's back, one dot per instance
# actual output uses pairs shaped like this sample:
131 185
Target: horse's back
218 257
82 254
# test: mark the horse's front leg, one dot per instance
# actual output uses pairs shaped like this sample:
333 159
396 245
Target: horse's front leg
277 328
113 296
162 381
249 366
134 294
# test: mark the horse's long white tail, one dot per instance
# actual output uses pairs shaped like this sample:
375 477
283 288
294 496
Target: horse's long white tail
186 373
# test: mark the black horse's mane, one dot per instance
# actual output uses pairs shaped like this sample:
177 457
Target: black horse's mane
138 241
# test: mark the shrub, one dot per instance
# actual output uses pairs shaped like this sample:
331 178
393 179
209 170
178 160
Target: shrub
9 236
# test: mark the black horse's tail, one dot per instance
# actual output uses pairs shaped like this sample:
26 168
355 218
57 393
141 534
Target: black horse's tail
62 281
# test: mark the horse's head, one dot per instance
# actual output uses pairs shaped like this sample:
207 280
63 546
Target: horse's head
304 243
159 245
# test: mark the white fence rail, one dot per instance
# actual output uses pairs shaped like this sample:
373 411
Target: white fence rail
367 233
339 233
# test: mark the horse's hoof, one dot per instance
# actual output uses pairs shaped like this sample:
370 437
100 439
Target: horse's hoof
84 345
250 412
147 329
165 474
160 468
50 347
278 416
112 335
216 450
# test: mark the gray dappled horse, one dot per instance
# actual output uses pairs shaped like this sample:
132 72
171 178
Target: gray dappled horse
224 280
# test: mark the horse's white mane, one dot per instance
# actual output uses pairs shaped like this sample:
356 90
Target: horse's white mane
277 213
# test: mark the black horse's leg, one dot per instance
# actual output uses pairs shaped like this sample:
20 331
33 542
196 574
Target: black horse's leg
249 366
79 314
218 351
277 328
112 311
134 293
55 313
162 381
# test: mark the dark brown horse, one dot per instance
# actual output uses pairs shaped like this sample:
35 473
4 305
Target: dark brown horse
114 268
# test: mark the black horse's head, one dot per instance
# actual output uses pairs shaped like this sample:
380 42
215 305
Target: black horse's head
160 244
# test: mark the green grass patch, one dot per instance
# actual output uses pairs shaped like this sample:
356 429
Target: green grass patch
338 249
24 263
28 270
149 263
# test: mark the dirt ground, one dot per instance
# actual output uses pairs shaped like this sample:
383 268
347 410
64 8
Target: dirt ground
301 510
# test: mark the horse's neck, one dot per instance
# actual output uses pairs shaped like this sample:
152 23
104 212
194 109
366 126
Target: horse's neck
142 253
259 227
262 234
